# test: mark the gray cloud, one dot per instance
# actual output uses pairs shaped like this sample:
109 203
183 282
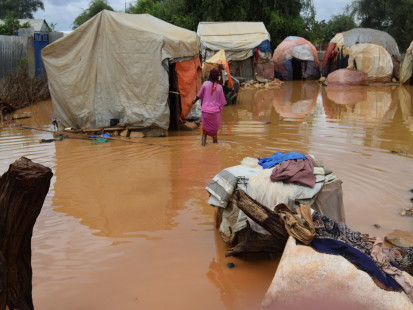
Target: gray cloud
327 8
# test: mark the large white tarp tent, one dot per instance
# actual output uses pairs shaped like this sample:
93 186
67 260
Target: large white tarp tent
238 39
115 66
407 66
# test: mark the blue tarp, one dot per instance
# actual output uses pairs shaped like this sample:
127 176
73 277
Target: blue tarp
265 46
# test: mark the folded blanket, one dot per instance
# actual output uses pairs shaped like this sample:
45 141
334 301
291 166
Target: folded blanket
225 182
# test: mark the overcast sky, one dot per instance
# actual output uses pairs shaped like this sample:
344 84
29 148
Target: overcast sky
64 12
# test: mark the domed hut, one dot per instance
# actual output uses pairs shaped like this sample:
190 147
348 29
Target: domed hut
372 51
295 58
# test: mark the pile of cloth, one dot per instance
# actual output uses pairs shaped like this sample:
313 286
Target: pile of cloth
289 178
285 188
367 253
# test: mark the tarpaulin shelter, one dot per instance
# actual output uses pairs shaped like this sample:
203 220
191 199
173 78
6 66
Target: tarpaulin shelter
372 51
120 66
407 66
213 62
295 58
246 46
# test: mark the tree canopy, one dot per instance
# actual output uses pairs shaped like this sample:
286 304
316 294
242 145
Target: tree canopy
393 17
282 18
19 8
11 25
95 6
338 23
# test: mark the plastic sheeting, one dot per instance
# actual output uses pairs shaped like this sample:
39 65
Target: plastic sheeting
115 66
372 59
296 47
232 36
407 66
367 35
218 58
189 82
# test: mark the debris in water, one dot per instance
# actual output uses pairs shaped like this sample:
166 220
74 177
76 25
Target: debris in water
99 141
399 152
377 226
400 238
406 212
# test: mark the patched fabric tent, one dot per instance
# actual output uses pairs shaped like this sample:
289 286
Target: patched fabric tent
407 66
118 66
372 59
372 51
295 58
246 46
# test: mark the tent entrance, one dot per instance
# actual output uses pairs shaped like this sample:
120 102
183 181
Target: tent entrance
297 72
174 99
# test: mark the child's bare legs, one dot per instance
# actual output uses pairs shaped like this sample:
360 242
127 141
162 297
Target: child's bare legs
215 139
204 136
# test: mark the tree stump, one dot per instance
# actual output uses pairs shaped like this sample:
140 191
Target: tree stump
23 189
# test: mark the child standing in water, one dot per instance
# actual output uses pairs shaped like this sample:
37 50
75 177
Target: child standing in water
212 100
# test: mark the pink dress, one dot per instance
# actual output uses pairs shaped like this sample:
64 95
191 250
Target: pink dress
211 106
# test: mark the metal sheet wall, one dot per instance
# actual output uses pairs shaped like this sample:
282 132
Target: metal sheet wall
12 49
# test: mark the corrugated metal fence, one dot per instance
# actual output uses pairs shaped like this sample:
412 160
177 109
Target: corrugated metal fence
12 49
27 45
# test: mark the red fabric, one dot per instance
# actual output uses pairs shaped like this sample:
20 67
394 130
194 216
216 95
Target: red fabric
189 82
328 54
299 171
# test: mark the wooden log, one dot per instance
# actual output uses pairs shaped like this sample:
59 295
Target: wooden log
23 189
250 244
263 216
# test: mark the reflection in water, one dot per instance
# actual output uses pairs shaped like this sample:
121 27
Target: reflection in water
128 225
295 101
234 292
346 94
91 181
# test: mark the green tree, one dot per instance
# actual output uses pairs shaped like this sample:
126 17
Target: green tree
19 8
11 25
95 6
393 17
282 18
339 23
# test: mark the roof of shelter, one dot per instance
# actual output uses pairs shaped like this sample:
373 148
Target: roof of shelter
367 35
297 47
234 36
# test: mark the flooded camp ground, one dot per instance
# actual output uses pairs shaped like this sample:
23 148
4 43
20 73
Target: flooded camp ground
129 225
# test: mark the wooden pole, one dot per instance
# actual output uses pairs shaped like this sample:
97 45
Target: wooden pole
264 217
23 189
86 137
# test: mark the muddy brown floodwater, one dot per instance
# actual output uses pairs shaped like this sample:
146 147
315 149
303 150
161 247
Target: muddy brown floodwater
127 226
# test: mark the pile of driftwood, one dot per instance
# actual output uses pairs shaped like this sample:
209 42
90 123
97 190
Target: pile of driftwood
19 90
